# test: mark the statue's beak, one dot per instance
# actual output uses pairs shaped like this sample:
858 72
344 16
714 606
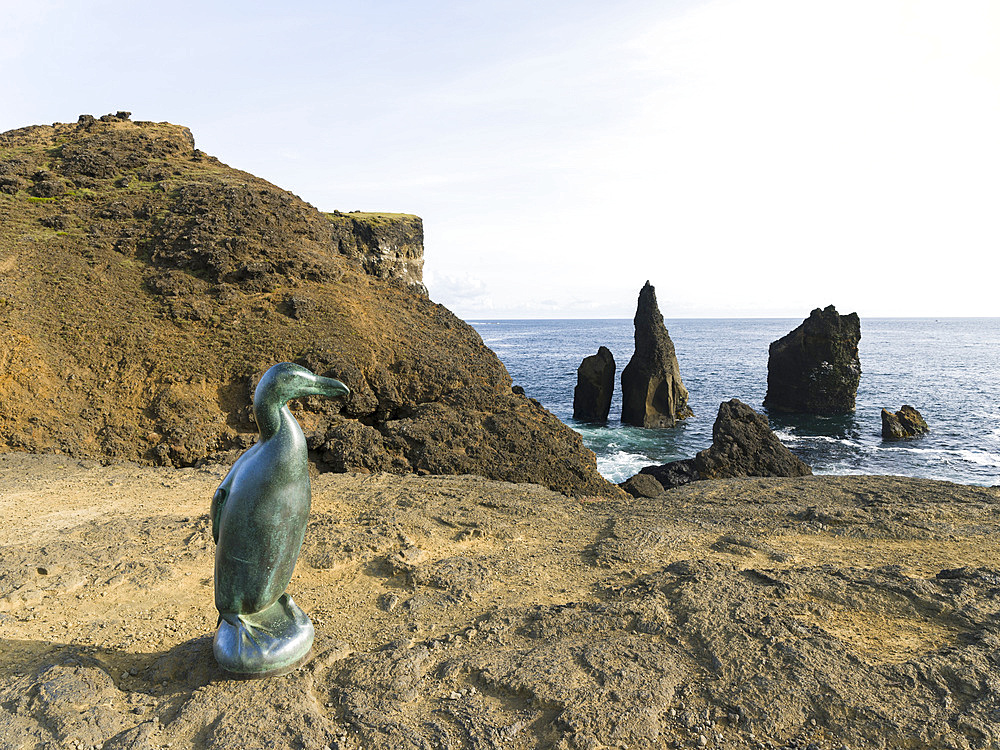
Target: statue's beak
330 387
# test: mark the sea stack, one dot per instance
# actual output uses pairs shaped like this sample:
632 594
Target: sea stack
652 392
815 369
743 445
595 384
905 423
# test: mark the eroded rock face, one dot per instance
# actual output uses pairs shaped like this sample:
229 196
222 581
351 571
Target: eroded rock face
595 385
145 287
389 246
905 423
815 369
743 445
653 394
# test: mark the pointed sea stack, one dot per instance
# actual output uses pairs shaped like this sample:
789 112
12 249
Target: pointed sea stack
815 369
652 392
595 383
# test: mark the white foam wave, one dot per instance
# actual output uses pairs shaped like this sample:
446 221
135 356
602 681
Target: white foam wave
910 449
980 458
620 465
791 437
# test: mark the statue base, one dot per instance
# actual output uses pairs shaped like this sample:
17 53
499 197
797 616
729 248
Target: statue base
274 641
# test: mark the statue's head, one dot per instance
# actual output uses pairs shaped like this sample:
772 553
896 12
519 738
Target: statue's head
286 380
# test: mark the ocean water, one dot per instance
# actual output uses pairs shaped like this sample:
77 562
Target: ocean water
948 368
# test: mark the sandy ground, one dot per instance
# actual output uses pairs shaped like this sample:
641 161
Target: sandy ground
464 613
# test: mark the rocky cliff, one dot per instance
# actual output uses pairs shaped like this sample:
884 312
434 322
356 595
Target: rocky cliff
145 286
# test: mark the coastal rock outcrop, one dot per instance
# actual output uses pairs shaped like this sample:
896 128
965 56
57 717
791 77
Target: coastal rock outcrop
815 369
642 485
743 445
595 385
653 394
672 474
147 287
905 423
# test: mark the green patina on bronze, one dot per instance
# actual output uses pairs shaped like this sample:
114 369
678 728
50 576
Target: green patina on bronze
259 515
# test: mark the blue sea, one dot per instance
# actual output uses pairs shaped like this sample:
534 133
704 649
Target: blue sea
947 368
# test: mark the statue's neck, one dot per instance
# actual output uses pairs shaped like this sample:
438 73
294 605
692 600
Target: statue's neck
272 418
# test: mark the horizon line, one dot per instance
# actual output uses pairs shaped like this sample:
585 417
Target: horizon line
747 317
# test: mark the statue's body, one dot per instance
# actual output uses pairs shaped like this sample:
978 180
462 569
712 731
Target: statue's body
259 515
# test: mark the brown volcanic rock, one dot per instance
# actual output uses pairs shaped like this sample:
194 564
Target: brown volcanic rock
905 423
139 306
595 385
815 369
653 394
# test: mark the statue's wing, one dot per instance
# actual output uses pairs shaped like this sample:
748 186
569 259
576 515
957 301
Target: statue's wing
218 501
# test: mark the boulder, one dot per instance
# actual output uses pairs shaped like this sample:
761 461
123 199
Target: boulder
595 384
743 445
673 474
653 394
815 369
905 423
642 485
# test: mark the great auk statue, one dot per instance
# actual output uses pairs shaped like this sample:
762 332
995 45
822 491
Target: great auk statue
259 515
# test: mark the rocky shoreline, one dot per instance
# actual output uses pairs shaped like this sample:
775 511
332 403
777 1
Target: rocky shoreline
460 612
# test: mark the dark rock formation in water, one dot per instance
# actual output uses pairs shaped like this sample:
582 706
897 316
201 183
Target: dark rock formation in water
653 394
905 423
743 445
595 384
815 369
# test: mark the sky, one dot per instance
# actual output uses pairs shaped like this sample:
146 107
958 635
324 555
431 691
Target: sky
750 158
